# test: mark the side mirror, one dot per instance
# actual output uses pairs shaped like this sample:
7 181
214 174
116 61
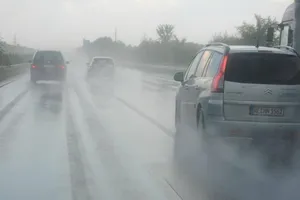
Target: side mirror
178 77
67 62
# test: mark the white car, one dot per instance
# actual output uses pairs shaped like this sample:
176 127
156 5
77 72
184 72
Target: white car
100 67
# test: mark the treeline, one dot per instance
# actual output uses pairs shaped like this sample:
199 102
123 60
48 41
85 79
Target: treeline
168 49
12 59
249 34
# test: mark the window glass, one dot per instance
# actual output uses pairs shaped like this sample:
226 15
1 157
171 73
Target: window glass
102 61
192 68
42 57
202 63
213 66
263 68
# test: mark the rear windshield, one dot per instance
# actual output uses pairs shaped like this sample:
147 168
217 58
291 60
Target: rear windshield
263 68
53 57
102 61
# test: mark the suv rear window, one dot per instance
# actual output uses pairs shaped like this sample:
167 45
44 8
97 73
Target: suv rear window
263 68
99 61
54 57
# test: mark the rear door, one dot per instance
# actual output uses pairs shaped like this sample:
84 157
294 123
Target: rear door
263 87
183 93
195 87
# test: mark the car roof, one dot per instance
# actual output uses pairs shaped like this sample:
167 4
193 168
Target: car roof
39 52
236 49
100 57
46 51
250 49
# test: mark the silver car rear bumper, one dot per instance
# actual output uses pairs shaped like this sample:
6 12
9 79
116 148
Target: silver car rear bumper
250 129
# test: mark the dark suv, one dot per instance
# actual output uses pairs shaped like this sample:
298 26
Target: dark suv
48 65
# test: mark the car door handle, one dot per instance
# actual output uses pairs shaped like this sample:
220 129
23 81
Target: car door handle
195 87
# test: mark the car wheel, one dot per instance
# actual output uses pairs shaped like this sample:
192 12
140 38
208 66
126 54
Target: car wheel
207 153
201 124
204 137
177 117
180 152
33 80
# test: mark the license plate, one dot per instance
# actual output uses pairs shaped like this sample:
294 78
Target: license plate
48 66
266 111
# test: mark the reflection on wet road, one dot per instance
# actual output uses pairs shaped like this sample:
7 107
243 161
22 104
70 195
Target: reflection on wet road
83 140
33 140
108 139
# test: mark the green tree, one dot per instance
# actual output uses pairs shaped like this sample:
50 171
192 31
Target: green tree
226 38
180 41
165 32
250 34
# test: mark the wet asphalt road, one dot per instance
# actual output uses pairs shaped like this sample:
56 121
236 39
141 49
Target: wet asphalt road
98 140
109 139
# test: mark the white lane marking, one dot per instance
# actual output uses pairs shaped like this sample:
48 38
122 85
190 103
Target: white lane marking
129 169
11 105
93 165
142 114
12 79
7 82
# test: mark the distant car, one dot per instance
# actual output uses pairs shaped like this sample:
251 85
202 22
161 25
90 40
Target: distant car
241 93
100 66
48 65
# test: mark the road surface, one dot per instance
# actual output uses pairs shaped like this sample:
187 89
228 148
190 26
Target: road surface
109 139
82 140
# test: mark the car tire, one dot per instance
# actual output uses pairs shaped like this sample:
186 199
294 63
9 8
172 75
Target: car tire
33 80
177 117
207 153
180 141
201 124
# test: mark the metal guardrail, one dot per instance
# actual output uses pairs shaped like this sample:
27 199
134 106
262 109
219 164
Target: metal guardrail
7 72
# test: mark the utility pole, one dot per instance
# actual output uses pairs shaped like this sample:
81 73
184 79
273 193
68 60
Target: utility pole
296 38
115 34
15 40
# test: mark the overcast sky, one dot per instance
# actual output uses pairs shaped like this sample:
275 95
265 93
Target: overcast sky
64 23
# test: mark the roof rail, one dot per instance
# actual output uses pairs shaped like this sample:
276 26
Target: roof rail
227 48
287 48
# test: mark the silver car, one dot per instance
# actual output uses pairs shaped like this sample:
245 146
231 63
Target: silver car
103 66
240 92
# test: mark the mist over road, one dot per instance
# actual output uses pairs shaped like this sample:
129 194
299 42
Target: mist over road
104 140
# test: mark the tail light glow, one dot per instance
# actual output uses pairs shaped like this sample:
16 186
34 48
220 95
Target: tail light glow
216 84
62 67
33 66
